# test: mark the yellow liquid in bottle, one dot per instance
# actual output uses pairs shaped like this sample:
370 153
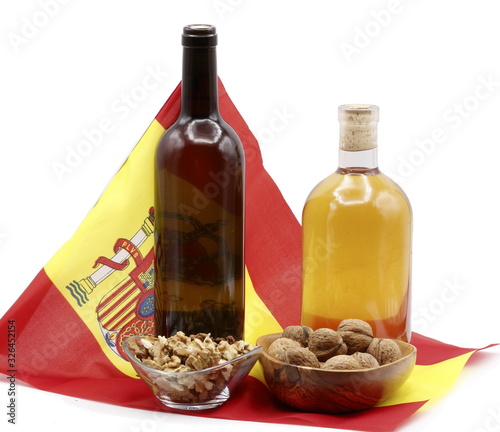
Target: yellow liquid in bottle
357 253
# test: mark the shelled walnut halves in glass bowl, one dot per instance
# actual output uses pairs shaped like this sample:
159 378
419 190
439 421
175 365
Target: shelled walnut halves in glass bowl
190 372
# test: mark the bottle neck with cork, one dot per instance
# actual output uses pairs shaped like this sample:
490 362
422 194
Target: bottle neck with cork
358 139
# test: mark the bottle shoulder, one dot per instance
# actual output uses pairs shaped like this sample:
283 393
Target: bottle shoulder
198 131
199 135
354 180
358 189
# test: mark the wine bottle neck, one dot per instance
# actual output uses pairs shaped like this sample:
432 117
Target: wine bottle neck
199 83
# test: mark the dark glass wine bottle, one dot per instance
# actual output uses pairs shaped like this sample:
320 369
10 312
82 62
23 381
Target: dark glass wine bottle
199 206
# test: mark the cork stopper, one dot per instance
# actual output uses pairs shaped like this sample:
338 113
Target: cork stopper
358 127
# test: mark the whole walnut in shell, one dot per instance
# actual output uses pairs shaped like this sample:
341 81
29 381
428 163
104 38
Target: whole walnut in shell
384 350
301 357
341 362
326 343
279 347
298 333
356 334
365 360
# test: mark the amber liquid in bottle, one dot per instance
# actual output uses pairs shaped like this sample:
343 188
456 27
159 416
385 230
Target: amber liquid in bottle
357 228
199 206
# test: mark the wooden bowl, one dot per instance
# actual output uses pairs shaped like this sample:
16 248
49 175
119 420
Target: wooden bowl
332 391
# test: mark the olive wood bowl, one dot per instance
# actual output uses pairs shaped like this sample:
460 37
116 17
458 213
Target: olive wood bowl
333 391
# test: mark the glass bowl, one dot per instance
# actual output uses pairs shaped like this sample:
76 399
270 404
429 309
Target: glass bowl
196 390
333 391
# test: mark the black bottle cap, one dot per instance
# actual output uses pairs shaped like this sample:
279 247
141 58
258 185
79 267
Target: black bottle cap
199 35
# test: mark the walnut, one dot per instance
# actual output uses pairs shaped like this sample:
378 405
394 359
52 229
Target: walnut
228 351
384 350
356 334
326 343
139 349
301 357
299 333
279 347
341 362
203 359
365 360
174 362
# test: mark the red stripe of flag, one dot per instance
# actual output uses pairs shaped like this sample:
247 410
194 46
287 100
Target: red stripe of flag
52 342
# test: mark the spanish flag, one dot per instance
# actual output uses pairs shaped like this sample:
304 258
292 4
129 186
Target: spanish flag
97 290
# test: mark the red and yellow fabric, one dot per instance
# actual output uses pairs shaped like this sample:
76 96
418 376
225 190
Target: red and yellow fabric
98 290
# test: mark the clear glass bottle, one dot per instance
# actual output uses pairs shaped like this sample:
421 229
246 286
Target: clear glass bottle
357 235
199 206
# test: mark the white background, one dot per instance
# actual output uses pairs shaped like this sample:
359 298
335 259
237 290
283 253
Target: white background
432 67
